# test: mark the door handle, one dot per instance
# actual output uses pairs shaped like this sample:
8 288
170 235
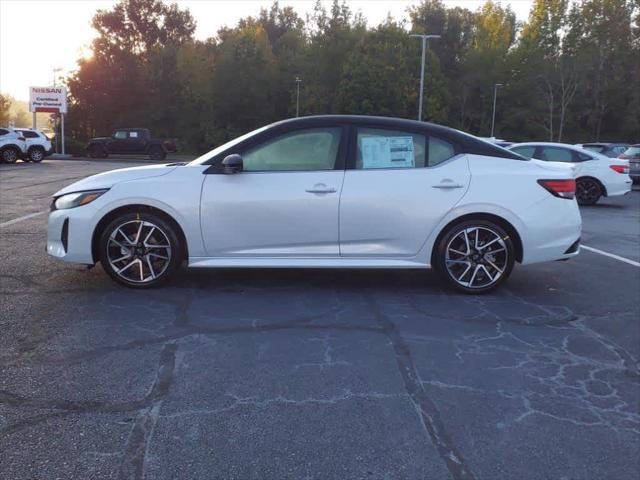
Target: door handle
447 184
320 188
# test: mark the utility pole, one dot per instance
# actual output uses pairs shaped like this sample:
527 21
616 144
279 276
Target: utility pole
493 116
298 81
424 53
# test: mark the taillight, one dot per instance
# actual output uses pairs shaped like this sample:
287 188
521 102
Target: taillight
620 168
560 188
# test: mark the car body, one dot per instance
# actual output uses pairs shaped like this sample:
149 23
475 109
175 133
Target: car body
37 143
596 175
12 145
131 141
611 150
326 192
632 154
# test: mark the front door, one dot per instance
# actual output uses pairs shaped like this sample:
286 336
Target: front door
397 189
284 202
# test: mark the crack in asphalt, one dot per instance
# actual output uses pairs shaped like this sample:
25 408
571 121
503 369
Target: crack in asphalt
425 407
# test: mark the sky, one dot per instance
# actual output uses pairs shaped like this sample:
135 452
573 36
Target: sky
38 36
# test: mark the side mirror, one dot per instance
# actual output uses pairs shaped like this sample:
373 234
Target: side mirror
232 163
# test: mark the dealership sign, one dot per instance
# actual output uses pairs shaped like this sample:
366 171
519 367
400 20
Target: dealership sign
48 99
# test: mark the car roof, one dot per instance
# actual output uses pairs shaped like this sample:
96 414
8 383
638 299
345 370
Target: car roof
131 129
469 143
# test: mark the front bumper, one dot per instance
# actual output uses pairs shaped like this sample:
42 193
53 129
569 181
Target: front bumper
69 236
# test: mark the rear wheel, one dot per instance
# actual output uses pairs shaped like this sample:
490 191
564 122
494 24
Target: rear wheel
475 256
140 250
96 151
36 154
10 155
588 191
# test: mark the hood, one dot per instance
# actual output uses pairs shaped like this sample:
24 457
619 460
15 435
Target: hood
559 167
109 179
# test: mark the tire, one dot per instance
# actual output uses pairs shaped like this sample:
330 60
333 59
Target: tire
130 250
588 191
10 155
157 153
35 154
472 270
96 151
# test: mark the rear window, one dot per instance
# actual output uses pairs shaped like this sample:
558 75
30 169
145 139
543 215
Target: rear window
29 134
525 151
3 131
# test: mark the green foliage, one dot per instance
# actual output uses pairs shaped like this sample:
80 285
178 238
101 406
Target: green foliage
570 72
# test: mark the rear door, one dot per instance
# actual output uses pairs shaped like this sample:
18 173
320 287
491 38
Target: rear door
397 188
118 143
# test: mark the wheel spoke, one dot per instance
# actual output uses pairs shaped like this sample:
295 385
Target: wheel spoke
150 254
495 266
137 240
126 247
127 266
151 245
141 270
473 276
457 252
487 272
489 243
124 257
146 239
119 230
465 271
153 273
466 241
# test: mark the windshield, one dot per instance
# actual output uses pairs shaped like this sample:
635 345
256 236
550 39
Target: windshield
216 151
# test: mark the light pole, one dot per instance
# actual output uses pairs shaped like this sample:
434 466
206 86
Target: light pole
493 116
298 80
424 52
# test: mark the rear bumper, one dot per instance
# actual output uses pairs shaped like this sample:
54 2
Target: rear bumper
553 230
619 187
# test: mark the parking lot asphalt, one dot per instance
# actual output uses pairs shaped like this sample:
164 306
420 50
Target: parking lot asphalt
312 373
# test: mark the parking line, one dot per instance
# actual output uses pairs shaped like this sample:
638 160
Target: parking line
19 219
611 255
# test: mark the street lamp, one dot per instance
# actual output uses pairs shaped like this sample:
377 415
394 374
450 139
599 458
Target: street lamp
493 116
424 49
298 81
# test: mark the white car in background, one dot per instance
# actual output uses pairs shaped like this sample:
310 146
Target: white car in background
596 175
12 145
38 145
326 192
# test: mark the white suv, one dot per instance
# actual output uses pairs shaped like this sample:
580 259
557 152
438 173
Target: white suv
12 145
38 145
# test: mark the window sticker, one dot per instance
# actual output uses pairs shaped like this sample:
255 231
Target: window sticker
387 152
133 134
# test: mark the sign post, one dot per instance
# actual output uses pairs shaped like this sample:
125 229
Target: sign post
51 100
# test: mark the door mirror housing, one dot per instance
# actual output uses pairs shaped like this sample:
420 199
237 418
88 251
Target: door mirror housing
232 163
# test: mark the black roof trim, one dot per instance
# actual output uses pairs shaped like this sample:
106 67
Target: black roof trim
466 142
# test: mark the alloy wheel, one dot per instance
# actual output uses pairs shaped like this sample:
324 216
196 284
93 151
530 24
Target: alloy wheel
10 155
476 257
587 192
138 251
36 155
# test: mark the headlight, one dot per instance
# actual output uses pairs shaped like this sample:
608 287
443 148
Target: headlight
72 200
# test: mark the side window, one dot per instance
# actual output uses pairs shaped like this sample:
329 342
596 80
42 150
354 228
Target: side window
29 134
120 135
439 151
582 157
389 149
525 151
554 154
133 134
302 150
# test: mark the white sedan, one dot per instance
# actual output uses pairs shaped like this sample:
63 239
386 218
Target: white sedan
326 192
596 175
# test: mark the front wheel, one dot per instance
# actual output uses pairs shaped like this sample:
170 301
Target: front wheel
588 191
157 153
475 256
96 151
140 250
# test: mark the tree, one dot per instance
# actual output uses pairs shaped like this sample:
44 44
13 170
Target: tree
5 103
